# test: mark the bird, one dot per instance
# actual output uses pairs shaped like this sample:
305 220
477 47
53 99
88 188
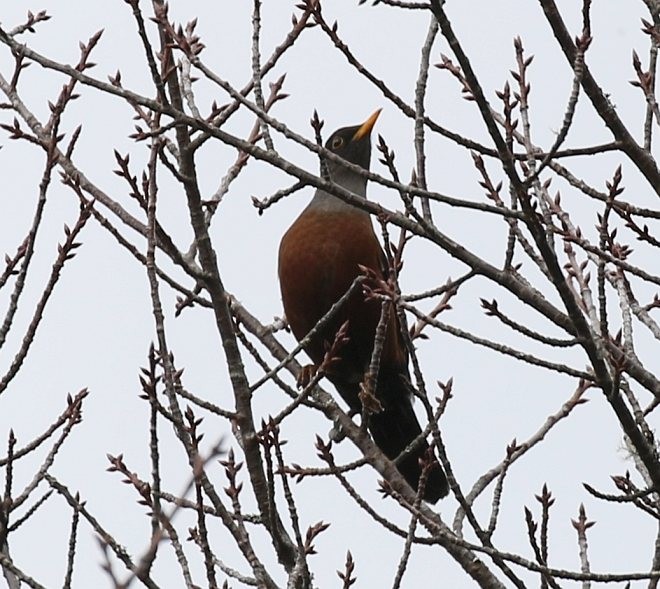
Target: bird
320 256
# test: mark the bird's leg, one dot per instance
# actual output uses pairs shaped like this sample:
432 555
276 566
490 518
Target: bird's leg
306 375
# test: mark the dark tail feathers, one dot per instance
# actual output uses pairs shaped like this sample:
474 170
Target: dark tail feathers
395 427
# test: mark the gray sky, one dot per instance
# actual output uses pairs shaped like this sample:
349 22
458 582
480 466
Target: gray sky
98 326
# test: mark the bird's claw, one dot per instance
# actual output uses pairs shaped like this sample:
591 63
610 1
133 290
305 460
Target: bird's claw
306 375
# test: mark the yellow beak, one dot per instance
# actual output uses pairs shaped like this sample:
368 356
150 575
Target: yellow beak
366 127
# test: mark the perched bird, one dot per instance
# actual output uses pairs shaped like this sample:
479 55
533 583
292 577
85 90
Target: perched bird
319 258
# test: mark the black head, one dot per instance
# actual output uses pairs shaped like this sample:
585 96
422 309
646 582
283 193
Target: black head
353 143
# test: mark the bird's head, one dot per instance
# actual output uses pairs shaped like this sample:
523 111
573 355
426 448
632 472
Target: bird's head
352 144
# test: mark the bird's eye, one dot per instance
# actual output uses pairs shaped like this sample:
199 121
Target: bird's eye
337 142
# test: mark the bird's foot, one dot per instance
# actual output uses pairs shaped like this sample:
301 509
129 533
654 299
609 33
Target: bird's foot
306 375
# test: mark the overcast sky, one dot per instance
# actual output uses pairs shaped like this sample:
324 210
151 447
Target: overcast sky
98 326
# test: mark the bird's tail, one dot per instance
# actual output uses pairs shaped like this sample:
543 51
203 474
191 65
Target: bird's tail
395 427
